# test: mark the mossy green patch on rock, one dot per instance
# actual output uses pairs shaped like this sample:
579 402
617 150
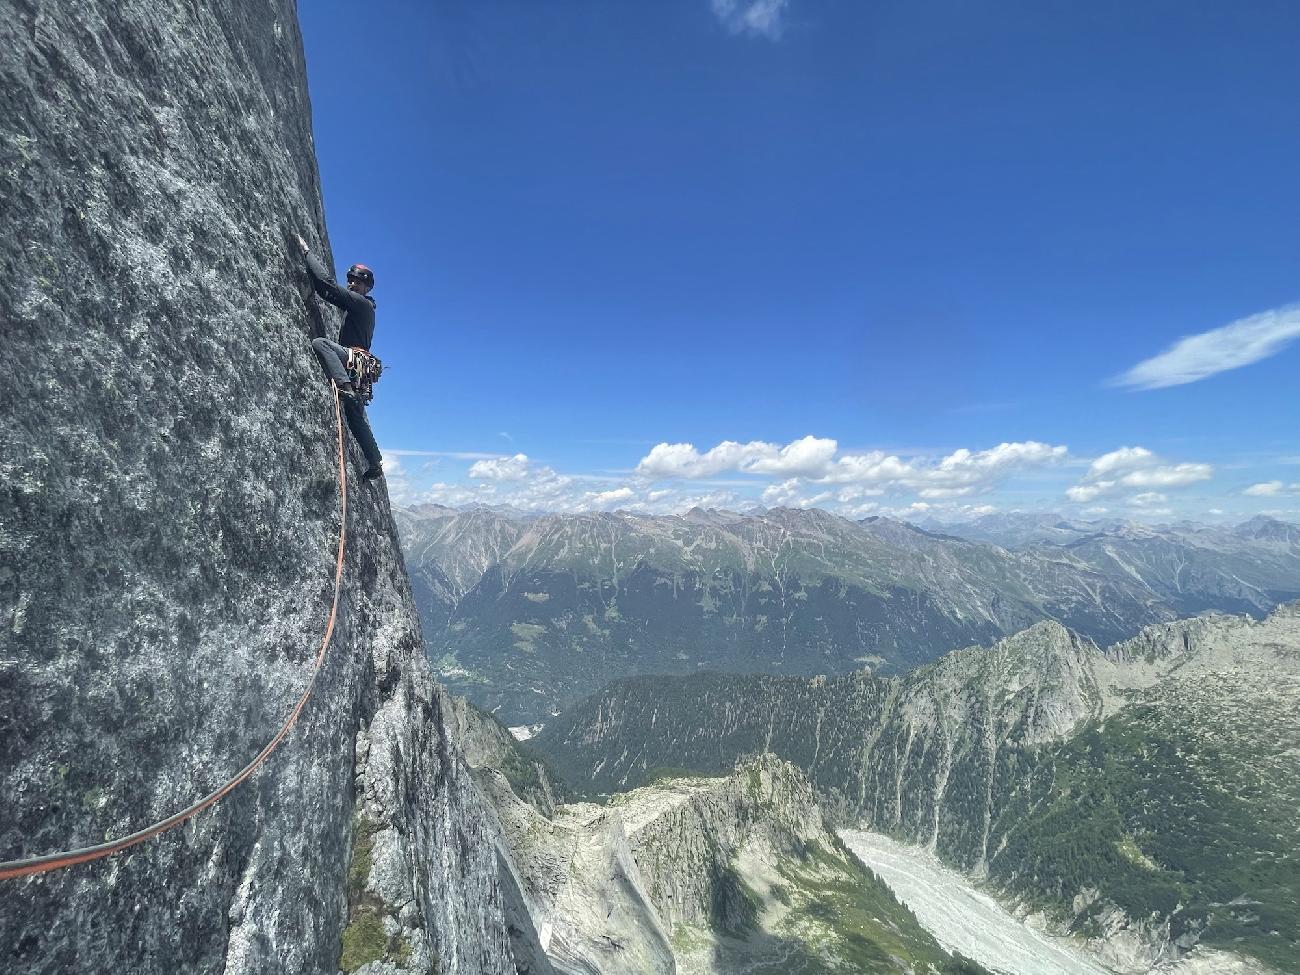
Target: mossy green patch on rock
364 940
363 846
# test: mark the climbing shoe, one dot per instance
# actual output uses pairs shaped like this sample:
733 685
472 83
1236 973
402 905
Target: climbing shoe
373 473
347 391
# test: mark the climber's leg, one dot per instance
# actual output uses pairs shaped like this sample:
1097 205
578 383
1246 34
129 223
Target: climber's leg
334 358
360 427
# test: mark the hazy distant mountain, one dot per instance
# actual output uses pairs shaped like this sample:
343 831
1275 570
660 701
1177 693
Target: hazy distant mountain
448 551
1018 529
1191 567
1145 794
528 615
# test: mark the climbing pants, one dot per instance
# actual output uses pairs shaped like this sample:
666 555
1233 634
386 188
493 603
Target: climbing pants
334 358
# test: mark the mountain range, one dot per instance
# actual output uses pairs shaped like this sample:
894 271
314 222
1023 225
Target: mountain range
526 614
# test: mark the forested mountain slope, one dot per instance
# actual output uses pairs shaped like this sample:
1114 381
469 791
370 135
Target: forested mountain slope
1147 789
527 614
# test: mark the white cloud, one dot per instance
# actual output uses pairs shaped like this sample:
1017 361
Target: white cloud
715 499
789 494
807 472
783 494
1175 476
1083 493
814 459
1271 489
913 510
529 487
1147 499
802 457
1134 468
399 486
500 468
807 456
1196 357
1266 490
757 18
1123 459
855 492
602 498
938 493
961 472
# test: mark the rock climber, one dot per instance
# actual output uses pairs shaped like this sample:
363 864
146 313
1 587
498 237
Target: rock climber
356 332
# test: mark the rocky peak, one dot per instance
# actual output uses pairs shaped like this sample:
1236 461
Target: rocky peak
1264 528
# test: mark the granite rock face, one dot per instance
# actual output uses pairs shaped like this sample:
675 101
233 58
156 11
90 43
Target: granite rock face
169 489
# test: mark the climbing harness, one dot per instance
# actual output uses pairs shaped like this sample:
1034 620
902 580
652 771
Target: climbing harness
365 370
53 861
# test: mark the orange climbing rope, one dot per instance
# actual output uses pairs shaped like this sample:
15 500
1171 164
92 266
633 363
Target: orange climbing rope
54 861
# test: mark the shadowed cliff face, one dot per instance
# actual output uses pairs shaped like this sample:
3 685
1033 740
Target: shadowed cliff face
168 516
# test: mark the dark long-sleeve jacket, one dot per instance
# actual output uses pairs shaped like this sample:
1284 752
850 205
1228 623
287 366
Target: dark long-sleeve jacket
358 310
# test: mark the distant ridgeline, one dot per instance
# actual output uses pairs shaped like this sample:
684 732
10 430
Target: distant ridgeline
1151 787
527 614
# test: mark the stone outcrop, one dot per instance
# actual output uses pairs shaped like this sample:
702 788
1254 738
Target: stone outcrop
706 876
687 838
582 887
170 507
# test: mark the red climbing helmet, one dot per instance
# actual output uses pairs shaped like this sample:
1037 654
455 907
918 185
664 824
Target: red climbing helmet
359 272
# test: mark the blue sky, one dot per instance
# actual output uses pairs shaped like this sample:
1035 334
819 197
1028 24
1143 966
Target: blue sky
903 257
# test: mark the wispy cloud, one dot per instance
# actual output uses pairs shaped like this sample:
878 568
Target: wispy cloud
1271 489
1148 499
1197 357
756 18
